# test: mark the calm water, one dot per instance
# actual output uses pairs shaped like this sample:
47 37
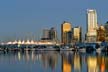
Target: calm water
52 61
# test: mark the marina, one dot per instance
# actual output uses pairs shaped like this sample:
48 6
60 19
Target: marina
81 47
53 36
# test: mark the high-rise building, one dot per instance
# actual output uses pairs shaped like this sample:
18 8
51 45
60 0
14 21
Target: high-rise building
49 34
77 35
69 37
45 35
101 34
65 32
91 25
53 34
106 31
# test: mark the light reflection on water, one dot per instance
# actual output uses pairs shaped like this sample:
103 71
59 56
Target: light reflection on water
52 61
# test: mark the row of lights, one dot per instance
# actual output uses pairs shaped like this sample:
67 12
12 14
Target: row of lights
28 42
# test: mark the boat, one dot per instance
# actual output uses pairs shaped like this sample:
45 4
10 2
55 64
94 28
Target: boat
48 48
82 50
66 48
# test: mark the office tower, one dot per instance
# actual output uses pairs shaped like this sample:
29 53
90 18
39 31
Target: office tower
45 35
77 34
106 31
69 37
53 34
49 35
91 25
65 31
101 34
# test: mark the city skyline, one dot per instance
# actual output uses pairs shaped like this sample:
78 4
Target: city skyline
24 19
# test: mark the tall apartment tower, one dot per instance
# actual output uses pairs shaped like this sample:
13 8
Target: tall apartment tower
66 32
77 35
91 25
106 31
45 35
49 35
53 34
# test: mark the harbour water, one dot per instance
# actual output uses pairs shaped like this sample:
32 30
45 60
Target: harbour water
53 61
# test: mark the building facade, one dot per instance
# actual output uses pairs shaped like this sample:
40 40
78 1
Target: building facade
91 25
53 34
106 31
50 35
77 35
45 35
66 32
101 34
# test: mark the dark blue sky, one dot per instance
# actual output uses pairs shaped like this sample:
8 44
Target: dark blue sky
21 19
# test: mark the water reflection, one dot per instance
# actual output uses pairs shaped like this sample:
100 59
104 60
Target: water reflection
77 63
49 60
52 61
92 64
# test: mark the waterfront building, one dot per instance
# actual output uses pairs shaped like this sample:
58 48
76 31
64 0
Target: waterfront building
91 25
101 34
66 31
69 37
77 34
106 31
45 35
49 35
53 34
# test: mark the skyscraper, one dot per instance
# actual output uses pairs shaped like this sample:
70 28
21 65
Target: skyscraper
45 35
106 31
53 34
91 25
65 32
49 35
77 34
101 33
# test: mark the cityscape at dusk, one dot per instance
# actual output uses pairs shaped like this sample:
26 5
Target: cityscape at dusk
24 19
72 34
53 36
